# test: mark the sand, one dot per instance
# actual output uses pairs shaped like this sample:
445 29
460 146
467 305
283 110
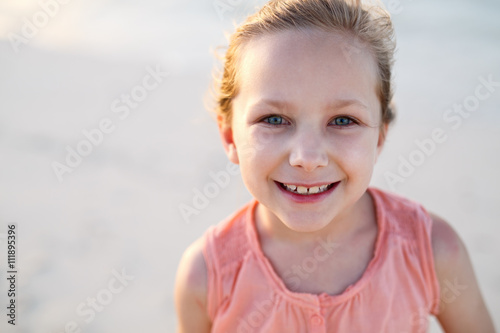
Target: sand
117 212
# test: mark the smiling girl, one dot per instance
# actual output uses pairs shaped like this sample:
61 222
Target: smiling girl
304 108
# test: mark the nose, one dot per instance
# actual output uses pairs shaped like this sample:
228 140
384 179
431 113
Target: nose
308 152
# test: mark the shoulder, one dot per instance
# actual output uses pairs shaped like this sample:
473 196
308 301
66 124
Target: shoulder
191 290
192 268
461 308
447 246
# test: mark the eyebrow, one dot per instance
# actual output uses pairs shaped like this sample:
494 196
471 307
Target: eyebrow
271 102
337 104
343 103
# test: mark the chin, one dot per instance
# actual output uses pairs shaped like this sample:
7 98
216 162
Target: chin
305 223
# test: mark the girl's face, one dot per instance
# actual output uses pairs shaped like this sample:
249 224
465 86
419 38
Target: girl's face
306 125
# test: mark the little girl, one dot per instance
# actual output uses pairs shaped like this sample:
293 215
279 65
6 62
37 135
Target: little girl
303 108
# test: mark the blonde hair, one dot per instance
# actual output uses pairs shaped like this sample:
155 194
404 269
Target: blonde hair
370 24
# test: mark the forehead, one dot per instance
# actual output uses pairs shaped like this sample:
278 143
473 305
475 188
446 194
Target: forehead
319 64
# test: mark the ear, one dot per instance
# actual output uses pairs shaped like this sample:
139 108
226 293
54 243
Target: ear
226 135
381 138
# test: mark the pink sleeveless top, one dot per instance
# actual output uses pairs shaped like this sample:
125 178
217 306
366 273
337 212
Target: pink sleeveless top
396 293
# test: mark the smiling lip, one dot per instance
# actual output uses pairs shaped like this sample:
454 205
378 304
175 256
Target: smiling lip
305 193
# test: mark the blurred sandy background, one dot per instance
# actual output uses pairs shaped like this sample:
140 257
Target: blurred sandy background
119 209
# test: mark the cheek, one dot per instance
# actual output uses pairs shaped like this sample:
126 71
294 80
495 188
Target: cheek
258 146
261 138
357 151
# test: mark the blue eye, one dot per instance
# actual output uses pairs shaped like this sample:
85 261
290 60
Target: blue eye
342 121
274 120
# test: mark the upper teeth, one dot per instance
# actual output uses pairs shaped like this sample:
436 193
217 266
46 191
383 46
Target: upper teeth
306 190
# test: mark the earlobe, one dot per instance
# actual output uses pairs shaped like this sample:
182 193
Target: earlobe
381 138
232 154
382 135
226 134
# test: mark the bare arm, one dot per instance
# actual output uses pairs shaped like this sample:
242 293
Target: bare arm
191 292
462 308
